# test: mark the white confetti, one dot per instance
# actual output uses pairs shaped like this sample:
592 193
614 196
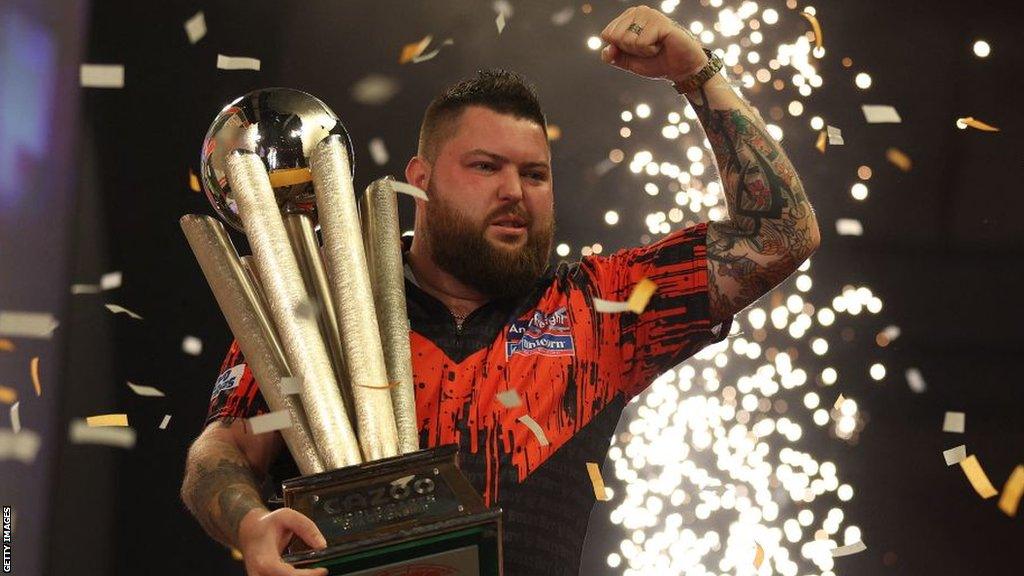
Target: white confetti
117 309
849 227
374 90
85 289
165 421
891 332
110 280
80 432
101 75
16 417
237 63
954 455
509 399
849 549
145 390
192 345
954 422
290 385
500 22
401 482
277 420
27 324
195 27
534 427
915 380
563 16
880 114
610 306
835 136
378 151
22 446
408 189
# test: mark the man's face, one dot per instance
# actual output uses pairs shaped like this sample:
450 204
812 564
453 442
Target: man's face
490 218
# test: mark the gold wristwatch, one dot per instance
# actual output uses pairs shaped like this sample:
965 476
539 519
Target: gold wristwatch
697 80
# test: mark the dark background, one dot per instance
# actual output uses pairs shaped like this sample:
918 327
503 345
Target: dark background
942 244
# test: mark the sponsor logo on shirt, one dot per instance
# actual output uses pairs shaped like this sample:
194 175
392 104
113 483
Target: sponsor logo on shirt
228 379
545 334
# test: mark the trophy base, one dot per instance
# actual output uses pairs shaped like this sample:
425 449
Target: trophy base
414 514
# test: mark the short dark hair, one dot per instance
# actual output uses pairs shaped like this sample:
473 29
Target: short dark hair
499 90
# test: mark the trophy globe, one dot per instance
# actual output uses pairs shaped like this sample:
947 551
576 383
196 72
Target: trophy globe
281 126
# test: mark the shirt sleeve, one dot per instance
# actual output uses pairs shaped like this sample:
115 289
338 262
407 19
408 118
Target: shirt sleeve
676 323
235 393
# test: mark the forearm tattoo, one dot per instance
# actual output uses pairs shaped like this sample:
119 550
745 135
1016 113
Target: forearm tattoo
771 226
220 489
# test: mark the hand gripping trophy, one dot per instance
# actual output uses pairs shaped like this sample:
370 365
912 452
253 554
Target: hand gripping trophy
326 334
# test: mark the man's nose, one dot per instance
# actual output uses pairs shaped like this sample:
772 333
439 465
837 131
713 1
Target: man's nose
511 186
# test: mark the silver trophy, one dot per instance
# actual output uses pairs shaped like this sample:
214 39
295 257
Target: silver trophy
277 166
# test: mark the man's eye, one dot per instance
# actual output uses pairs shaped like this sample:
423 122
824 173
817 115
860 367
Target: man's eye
538 176
487 164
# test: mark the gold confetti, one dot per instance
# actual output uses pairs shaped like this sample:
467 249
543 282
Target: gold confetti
8 395
410 51
193 181
595 478
819 48
33 368
758 556
839 402
822 142
385 387
554 132
236 554
6 345
534 427
979 480
641 295
899 159
1012 491
106 420
976 124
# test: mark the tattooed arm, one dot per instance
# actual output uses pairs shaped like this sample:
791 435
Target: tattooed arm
771 228
221 490
221 485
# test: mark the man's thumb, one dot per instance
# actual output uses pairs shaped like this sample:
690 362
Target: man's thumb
304 528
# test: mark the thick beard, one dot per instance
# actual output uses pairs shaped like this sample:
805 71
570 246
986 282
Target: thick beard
460 248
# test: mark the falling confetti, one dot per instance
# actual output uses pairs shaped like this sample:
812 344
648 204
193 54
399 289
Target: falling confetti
165 421
79 432
378 151
374 90
979 480
148 391
1012 491
277 420
8 395
637 302
594 470
880 114
21 446
16 417
237 63
849 227
107 420
195 27
6 345
111 280
916 381
117 309
899 159
430 55
835 136
408 189
101 75
849 549
291 385
955 455
758 556
953 422
976 124
819 48
822 142
413 50
85 289
27 324
534 427
193 181
33 368
509 399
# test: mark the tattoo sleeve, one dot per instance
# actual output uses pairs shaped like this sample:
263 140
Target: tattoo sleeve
771 226
219 488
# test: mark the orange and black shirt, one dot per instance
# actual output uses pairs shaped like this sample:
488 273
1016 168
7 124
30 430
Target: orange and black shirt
573 368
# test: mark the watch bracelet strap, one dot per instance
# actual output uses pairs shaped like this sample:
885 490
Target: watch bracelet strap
691 83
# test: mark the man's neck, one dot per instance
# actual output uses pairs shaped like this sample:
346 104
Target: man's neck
460 298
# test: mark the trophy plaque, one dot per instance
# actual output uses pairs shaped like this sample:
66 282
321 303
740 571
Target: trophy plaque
324 329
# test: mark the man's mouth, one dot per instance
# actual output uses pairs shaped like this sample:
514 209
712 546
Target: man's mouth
510 224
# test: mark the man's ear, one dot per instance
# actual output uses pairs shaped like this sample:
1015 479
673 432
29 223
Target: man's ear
417 172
